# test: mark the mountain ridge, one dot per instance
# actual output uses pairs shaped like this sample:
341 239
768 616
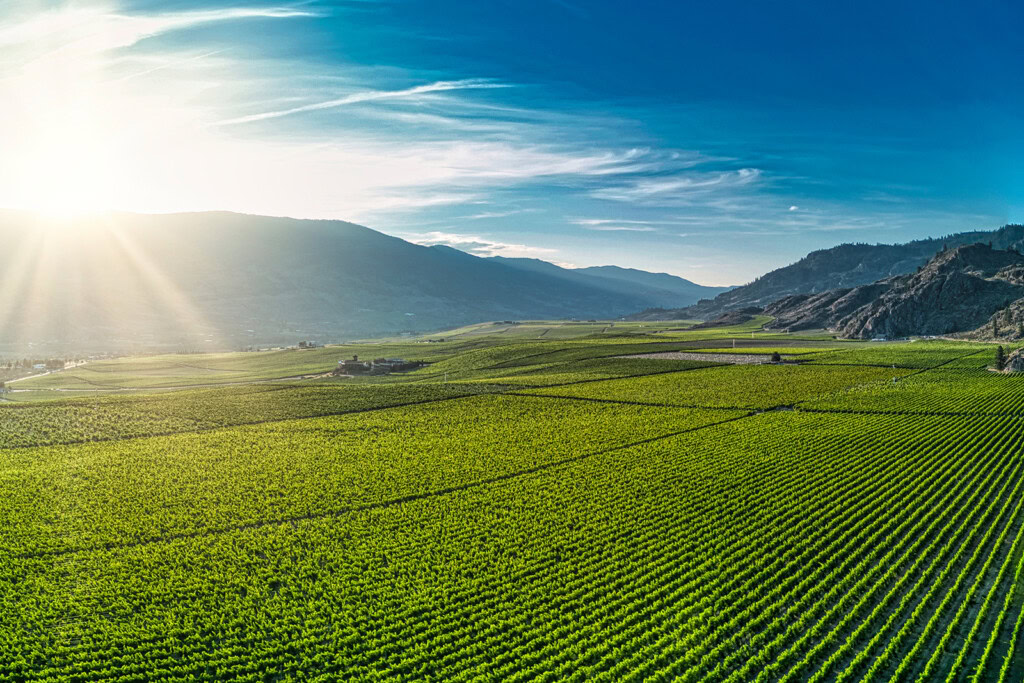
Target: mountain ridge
662 289
843 266
209 280
959 290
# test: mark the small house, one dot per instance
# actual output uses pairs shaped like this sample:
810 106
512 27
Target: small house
352 367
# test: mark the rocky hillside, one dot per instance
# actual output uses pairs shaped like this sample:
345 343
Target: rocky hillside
1014 362
846 266
959 290
736 317
1006 324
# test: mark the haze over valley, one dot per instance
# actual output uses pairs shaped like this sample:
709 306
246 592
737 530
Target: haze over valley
222 281
121 282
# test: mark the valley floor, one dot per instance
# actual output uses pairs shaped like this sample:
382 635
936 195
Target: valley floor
522 509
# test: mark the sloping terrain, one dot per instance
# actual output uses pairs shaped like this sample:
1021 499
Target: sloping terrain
676 288
858 518
844 267
661 289
958 290
216 280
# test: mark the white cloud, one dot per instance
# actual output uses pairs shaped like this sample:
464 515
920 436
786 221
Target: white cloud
589 222
143 125
621 228
479 246
794 208
495 214
680 187
368 96
617 224
95 29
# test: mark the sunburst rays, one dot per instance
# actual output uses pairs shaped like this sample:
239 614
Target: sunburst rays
91 281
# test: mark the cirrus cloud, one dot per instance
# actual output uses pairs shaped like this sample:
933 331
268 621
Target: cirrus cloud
477 245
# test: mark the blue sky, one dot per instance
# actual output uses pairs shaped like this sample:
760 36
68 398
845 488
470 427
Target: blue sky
711 140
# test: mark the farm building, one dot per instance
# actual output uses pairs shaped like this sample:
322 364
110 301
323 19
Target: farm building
378 366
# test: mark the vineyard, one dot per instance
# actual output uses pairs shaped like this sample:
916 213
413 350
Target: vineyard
743 386
553 512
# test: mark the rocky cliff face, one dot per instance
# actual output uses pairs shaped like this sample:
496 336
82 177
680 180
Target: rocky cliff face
819 311
846 266
958 290
1015 361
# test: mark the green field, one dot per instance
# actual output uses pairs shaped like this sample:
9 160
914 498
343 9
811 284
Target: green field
743 386
551 512
475 353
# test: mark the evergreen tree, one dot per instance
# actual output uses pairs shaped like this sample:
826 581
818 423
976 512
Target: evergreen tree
1000 359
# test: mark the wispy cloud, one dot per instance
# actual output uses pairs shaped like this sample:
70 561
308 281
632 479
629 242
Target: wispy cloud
621 228
758 219
617 225
384 150
682 186
479 246
369 96
396 147
484 215
588 222
170 64
94 30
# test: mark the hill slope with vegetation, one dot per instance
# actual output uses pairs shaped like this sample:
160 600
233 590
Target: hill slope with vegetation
215 280
958 290
844 267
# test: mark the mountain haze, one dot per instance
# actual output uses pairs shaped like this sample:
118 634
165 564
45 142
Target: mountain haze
661 289
218 279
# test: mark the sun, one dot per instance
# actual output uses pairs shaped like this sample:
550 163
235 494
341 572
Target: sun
67 173
58 129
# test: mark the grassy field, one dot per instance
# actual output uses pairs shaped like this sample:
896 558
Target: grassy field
524 330
552 512
471 353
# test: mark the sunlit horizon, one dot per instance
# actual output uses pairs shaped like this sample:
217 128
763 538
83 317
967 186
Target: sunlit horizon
314 110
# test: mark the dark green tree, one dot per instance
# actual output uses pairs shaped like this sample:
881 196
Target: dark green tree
1000 359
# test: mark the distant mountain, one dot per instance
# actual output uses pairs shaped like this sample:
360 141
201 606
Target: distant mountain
661 289
217 279
959 290
844 266
674 285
